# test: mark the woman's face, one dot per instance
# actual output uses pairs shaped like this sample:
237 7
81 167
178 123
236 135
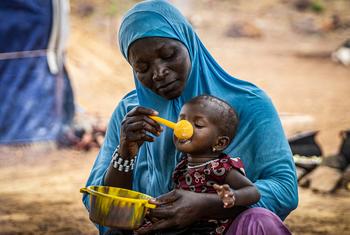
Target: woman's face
160 64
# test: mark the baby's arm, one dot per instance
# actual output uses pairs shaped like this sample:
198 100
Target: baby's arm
238 190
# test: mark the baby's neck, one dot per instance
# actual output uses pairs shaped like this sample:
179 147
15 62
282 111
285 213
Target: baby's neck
194 160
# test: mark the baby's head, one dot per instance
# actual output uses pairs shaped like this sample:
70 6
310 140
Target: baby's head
214 122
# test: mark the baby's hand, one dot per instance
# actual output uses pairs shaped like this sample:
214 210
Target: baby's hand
226 194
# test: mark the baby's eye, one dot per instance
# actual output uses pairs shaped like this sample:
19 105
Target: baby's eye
198 125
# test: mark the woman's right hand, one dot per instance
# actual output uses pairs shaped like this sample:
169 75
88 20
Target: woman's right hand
135 130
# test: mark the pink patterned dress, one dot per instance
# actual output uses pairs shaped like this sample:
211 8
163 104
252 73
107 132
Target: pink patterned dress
200 179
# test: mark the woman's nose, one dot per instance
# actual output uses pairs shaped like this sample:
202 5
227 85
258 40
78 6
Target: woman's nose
159 73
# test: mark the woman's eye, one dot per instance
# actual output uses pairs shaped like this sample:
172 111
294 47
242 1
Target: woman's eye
168 54
142 68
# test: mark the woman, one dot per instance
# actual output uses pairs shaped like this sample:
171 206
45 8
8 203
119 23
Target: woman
171 66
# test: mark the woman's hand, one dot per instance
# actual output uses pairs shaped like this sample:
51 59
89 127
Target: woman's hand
176 209
135 129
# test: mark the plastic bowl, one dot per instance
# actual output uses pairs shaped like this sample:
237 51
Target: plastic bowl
117 207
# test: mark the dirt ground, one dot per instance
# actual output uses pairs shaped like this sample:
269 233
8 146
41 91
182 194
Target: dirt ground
39 185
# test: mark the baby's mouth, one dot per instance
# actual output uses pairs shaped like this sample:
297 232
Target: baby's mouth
186 141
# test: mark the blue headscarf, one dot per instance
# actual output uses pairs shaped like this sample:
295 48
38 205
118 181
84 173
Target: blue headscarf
260 141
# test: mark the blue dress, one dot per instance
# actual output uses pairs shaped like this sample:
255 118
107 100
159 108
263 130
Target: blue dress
260 141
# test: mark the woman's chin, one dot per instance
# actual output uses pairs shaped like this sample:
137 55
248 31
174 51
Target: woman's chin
171 97
170 94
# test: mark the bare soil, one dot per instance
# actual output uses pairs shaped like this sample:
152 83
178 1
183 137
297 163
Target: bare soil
40 184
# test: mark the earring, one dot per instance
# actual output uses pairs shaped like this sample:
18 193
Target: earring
214 149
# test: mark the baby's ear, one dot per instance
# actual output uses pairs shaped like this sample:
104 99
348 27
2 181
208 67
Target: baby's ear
222 143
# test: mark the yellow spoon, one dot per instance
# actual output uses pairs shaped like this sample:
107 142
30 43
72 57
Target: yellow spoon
182 129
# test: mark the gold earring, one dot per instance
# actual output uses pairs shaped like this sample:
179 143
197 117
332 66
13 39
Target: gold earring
214 149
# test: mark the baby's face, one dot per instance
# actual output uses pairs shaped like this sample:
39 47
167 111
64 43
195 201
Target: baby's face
205 131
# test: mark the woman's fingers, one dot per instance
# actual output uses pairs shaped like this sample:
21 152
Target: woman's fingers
162 212
141 117
143 113
166 198
142 110
164 204
178 209
138 123
139 137
159 225
136 128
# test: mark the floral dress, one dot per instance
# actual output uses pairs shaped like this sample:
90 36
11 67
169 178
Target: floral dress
201 178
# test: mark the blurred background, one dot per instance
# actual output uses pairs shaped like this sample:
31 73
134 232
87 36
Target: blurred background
296 50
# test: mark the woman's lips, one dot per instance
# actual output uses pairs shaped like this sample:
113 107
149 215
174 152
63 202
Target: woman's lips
166 87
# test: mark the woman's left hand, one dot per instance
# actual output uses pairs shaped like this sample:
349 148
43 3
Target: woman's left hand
176 209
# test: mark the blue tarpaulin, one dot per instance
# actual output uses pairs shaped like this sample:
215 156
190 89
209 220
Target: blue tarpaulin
34 102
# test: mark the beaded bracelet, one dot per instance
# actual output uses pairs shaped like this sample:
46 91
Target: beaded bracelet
121 164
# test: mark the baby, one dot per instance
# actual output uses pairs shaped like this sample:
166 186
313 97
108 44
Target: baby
204 167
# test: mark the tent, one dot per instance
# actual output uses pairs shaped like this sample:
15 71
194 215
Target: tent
36 98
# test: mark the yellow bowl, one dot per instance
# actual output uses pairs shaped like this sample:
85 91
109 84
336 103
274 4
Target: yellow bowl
117 207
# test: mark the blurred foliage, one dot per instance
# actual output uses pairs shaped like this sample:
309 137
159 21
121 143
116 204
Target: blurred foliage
113 8
317 6
86 8
118 7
